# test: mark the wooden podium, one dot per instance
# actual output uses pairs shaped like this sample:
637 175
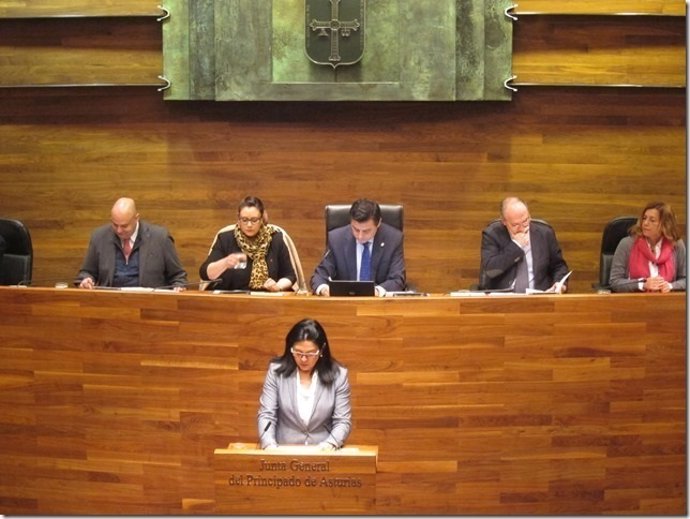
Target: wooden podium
291 480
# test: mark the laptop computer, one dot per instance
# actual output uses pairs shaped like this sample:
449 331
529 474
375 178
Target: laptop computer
351 288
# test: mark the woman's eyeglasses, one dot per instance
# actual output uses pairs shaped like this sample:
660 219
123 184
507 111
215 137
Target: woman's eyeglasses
309 355
250 220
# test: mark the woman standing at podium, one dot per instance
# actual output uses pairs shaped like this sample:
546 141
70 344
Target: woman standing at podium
306 394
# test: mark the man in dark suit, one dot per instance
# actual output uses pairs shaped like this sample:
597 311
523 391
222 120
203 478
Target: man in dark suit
520 253
367 249
129 252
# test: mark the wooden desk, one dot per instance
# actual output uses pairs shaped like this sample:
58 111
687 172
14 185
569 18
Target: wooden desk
113 403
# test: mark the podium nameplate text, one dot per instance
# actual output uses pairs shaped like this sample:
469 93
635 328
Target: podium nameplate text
295 480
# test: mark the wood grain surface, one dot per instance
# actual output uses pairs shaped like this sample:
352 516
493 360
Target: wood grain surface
579 157
78 8
564 50
113 403
587 50
37 8
251 481
603 7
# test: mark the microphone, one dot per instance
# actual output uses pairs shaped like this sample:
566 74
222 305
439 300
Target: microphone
261 436
210 282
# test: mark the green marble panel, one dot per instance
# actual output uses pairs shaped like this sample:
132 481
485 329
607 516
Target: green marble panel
427 49
202 70
484 49
441 50
498 50
176 50
380 63
243 46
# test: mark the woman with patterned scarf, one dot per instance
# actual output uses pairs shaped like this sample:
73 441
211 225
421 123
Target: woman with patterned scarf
652 258
250 255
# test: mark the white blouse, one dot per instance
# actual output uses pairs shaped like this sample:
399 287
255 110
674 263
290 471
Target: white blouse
305 397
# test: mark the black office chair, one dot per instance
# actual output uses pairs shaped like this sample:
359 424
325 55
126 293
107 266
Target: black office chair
17 263
338 215
614 232
483 278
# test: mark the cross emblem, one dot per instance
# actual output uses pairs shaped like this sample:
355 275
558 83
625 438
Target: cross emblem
335 28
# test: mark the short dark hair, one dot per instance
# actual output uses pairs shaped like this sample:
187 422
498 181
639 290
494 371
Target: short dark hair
251 201
308 330
363 210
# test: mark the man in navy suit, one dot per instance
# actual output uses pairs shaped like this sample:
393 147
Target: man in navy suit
366 249
518 244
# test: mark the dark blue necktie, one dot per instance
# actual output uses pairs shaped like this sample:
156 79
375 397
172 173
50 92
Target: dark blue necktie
365 265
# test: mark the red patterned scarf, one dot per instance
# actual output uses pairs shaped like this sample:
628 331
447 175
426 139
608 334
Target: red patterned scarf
641 255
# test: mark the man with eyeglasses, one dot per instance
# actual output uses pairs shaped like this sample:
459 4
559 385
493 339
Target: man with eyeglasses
520 253
366 250
129 252
249 255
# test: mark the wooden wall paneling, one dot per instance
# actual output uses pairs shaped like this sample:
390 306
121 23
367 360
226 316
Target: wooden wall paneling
602 7
555 405
78 8
41 8
585 50
574 50
579 157
80 51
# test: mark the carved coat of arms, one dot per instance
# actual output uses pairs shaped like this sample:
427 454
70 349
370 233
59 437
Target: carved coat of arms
334 31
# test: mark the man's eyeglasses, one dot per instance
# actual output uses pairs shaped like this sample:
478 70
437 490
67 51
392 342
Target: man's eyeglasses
250 220
520 225
309 355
